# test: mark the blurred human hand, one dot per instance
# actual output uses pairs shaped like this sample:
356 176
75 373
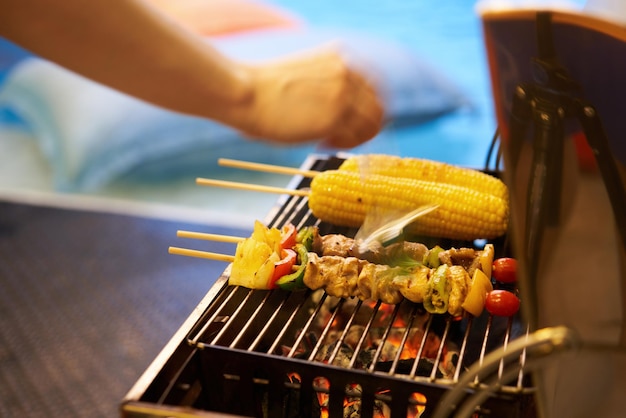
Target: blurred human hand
311 96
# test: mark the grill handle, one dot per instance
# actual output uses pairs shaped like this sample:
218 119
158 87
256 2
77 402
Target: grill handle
536 347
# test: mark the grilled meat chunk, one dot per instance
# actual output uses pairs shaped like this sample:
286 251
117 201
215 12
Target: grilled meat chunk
459 283
340 245
316 274
338 276
415 285
333 245
376 282
344 282
336 266
346 277
464 257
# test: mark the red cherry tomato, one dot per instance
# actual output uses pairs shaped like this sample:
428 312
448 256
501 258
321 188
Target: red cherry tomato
288 235
284 266
502 303
505 270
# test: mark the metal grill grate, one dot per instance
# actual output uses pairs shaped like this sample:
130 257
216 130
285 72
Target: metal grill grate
276 353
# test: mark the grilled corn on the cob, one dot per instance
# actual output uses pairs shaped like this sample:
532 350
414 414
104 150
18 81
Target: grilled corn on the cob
423 169
344 198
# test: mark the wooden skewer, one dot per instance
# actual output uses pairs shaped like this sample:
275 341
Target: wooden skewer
252 187
268 168
201 254
208 237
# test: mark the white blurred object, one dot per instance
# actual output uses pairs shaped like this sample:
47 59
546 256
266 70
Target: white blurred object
494 5
611 10
389 231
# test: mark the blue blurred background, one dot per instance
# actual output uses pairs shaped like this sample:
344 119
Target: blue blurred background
442 41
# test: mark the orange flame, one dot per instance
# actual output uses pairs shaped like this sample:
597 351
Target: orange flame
414 411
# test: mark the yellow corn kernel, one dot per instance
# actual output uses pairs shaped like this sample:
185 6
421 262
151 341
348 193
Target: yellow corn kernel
422 169
344 198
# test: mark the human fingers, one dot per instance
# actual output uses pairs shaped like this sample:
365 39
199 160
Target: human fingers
362 117
317 96
351 133
368 110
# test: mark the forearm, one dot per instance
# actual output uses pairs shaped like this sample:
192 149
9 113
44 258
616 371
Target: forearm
131 47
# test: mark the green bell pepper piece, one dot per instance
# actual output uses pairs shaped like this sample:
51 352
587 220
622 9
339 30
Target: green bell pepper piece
306 235
436 300
432 257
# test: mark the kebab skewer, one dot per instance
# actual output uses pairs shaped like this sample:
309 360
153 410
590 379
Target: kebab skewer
394 166
440 279
291 260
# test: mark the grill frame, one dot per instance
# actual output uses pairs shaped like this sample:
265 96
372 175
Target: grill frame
185 378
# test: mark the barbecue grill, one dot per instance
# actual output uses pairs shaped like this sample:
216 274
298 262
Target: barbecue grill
306 354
